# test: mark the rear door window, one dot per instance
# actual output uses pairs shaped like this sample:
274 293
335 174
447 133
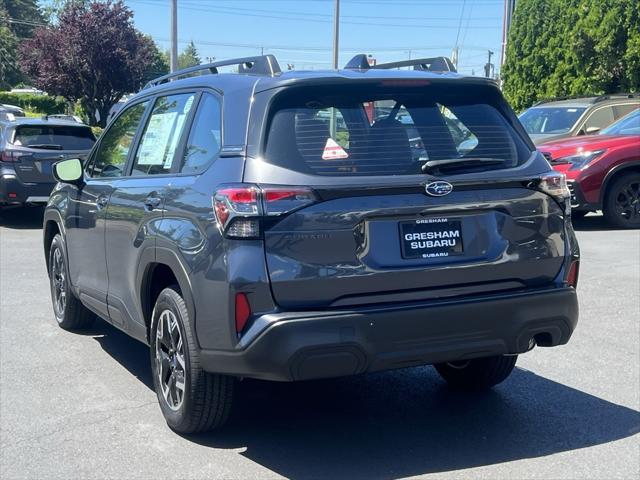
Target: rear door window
378 131
205 138
162 133
54 137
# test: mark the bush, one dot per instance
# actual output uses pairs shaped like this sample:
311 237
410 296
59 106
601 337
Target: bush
37 103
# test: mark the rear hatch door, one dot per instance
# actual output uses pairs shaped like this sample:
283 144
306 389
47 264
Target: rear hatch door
386 226
35 148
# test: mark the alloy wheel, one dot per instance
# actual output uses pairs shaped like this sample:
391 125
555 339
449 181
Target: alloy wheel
170 359
58 279
627 202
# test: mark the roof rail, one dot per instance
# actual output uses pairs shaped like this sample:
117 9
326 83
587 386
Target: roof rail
435 64
609 96
261 65
596 98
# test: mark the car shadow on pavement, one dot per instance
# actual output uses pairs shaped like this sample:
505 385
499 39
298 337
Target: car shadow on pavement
21 218
593 222
128 352
397 424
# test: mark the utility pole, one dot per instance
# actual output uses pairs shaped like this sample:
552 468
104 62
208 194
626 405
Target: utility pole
509 8
488 66
173 52
336 33
454 57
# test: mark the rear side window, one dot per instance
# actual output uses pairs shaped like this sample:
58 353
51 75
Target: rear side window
203 144
54 137
381 131
162 133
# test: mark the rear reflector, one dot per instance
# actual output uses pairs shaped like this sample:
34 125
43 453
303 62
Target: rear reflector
243 311
572 276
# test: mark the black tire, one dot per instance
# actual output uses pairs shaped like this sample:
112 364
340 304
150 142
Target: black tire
479 373
205 400
622 202
69 312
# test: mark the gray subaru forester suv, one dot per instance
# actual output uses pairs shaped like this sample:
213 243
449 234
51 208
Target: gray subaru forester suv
312 224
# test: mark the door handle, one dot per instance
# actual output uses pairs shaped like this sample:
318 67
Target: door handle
151 202
101 201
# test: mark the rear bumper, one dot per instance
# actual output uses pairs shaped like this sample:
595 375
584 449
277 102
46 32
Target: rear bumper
306 345
14 192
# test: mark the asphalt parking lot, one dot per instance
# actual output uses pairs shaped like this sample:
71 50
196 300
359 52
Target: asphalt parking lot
82 405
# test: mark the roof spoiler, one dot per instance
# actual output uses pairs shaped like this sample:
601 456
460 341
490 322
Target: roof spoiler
435 64
265 65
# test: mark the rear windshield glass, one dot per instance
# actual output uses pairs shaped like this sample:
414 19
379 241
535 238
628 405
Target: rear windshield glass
398 130
54 137
550 120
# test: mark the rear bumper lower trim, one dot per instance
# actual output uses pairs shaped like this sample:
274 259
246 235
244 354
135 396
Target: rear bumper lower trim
306 345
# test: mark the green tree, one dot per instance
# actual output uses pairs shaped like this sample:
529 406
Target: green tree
189 56
572 47
18 19
92 55
159 64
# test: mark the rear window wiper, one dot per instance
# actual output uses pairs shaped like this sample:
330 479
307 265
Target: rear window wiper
45 146
454 163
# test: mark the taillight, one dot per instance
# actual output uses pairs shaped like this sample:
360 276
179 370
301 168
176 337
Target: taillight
277 201
239 207
10 156
574 271
243 311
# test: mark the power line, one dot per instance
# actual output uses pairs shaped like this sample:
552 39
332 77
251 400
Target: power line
192 3
460 24
233 12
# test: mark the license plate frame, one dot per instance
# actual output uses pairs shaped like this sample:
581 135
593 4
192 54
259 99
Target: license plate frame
436 238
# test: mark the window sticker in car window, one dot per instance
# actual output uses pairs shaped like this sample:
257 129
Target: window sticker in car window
333 151
152 150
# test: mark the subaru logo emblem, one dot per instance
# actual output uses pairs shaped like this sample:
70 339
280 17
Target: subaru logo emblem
438 189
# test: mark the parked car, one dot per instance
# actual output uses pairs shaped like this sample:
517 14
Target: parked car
266 249
603 171
28 149
571 117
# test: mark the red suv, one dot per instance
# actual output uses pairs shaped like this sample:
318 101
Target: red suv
603 171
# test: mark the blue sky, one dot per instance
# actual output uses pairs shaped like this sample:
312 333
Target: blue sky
300 31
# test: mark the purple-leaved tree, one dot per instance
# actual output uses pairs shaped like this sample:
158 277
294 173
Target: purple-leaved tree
93 55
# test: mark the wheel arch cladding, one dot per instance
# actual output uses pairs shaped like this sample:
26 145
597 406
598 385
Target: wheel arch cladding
51 228
157 275
614 174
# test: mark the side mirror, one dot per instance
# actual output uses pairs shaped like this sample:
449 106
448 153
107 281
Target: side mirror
68 171
592 130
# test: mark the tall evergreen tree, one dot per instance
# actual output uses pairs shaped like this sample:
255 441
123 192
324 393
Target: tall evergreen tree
572 47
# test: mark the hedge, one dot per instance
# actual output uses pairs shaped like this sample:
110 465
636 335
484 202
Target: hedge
38 103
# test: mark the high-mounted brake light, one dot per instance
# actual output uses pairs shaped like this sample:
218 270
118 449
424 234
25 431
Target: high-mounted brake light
239 207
